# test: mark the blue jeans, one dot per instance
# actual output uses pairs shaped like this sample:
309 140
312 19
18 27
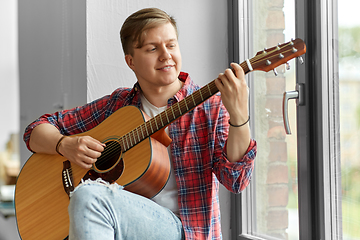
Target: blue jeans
101 211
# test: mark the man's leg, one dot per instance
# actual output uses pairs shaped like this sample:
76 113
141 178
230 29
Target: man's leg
99 211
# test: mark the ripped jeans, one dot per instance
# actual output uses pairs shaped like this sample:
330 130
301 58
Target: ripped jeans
98 210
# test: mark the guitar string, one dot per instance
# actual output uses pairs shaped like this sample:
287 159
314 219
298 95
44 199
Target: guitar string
276 49
258 63
255 60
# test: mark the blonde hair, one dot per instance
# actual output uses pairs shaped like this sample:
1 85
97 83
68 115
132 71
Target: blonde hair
135 26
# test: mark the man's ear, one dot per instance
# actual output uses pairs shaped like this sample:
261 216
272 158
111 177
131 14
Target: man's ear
129 61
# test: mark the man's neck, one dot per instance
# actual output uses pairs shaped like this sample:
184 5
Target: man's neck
158 96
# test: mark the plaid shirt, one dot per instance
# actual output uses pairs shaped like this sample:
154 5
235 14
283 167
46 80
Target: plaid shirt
198 152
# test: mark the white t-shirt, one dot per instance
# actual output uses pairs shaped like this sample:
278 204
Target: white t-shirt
168 196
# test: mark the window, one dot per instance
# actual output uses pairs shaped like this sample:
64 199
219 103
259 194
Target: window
296 187
349 87
274 187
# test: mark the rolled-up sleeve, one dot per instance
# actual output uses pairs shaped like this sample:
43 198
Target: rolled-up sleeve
236 176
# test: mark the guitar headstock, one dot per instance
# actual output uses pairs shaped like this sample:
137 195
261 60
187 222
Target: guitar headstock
271 58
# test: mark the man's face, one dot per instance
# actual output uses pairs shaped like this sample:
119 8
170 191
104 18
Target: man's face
158 62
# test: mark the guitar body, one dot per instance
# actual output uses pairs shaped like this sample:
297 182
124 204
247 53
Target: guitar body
41 199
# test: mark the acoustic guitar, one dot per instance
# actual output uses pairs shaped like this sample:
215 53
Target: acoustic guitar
135 156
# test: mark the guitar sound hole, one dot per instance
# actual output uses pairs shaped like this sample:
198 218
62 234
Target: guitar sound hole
109 157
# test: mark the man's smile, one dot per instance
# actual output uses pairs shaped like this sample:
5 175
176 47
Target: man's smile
165 68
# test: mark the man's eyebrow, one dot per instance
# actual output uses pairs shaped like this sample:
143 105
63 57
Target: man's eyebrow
155 43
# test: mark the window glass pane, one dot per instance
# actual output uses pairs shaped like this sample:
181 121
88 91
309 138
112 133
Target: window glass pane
275 204
349 88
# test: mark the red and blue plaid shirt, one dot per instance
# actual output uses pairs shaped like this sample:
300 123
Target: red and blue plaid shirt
198 152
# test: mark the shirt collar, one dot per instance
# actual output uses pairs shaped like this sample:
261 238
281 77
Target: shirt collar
187 87
181 94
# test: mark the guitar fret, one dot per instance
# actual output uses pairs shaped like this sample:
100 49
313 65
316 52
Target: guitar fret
187 108
202 99
167 116
147 132
127 142
179 108
132 138
134 134
172 109
142 131
122 145
137 132
152 130
162 123
209 89
157 127
131 143
192 96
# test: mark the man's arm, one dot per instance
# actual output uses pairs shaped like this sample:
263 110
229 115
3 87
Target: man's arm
81 150
44 138
235 94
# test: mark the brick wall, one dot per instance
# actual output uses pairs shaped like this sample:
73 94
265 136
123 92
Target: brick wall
272 182
277 177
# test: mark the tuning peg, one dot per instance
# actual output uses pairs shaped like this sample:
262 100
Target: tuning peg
275 72
287 66
301 60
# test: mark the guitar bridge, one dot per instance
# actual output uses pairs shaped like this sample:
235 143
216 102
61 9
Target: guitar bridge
67 177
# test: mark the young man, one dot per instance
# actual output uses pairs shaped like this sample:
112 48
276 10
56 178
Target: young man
209 144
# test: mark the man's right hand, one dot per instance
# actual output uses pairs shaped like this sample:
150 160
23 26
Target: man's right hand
81 150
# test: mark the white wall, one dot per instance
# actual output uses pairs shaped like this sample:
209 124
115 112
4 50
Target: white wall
203 40
9 81
52 58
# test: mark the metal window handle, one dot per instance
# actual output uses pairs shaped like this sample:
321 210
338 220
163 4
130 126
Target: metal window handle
298 94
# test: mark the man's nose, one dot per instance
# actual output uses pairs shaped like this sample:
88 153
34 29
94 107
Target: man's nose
165 54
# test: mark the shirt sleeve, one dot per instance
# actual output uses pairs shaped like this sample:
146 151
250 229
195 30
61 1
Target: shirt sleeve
235 176
73 121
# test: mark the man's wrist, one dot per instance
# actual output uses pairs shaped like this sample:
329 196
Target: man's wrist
58 144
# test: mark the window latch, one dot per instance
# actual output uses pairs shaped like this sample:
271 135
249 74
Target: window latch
298 94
